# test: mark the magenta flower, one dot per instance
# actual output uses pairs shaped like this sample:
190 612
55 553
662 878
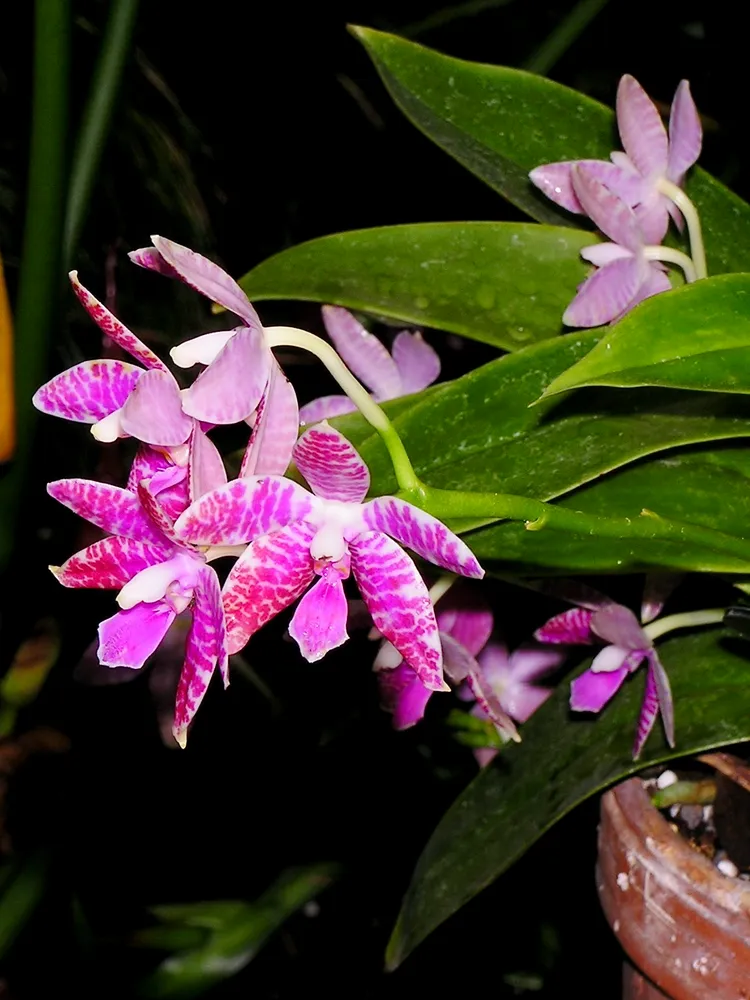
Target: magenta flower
651 161
157 576
628 645
242 380
295 535
413 366
626 275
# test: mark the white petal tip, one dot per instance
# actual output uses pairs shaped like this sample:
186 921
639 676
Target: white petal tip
180 736
55 571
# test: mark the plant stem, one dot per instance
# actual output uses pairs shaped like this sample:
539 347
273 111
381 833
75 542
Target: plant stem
687 619
289 336
688 209
97 117
671 256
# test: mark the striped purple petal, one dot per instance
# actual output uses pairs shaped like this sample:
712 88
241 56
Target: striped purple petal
554 180
171 482
611 213
607 294
363 353
206 470
325 408
231 387
571 628
153 412
643 135
88 392
275 430
331 465
657 697
110 563
618 625
108 507
418 364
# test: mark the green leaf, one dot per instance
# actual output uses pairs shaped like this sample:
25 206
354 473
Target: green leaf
500 123
562 761
502 283
22 885
703 486
238 931
694 337
480 433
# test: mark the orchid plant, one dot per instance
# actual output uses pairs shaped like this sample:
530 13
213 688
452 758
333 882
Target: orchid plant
489 453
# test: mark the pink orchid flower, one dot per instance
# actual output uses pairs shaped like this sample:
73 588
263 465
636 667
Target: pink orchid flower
650 157
626 275
628 646
158 577
295 535
413 366
241 380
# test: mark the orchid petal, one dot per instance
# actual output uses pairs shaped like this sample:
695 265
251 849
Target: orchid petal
331 465
270 575
658 681
108 507
521 693
232 385
418 364
466 618
169 481
490 704
611 213
325 408
655 283
618 625
685 134
88 392
422 533
652 217
173 579
201 350
643 135
150 259
602 254
242 510
208 279
113 328
647 715
458 663
657 588
204 649
530 663
275 430
128 638
608 293
609 659
153 411
109 563
319 622
554 180
362 352
571 628
590 692
151 503
403 695
206 470
397 599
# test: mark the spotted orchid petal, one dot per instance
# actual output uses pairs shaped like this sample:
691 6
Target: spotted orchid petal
113 328
231 387
169 481
418 364
108 507
274 433
319 621
571 628
149 497
331 465
643 135
403 695
270 575
325 408
109 563
202 350
363 353
242 510
397 599
206 470
611 214
153 412
207 278
618 625
421 533
685 134
607 294
590 692
88 392
130 637
204 650
657 698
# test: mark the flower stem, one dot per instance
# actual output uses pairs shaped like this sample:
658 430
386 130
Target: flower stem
687 619
441 587
289 336
671 256
688 209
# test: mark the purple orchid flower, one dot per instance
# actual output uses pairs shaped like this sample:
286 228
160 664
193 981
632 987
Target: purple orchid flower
158 577
628 645
241 380
625 275
413 366
651 161
295 535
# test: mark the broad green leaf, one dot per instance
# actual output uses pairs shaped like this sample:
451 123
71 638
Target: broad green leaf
500 123
562 761
503 283
695 337
706 486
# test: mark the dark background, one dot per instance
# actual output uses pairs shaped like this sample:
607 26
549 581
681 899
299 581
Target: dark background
243 129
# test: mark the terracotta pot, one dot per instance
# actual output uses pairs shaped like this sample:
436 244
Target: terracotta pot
684 925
